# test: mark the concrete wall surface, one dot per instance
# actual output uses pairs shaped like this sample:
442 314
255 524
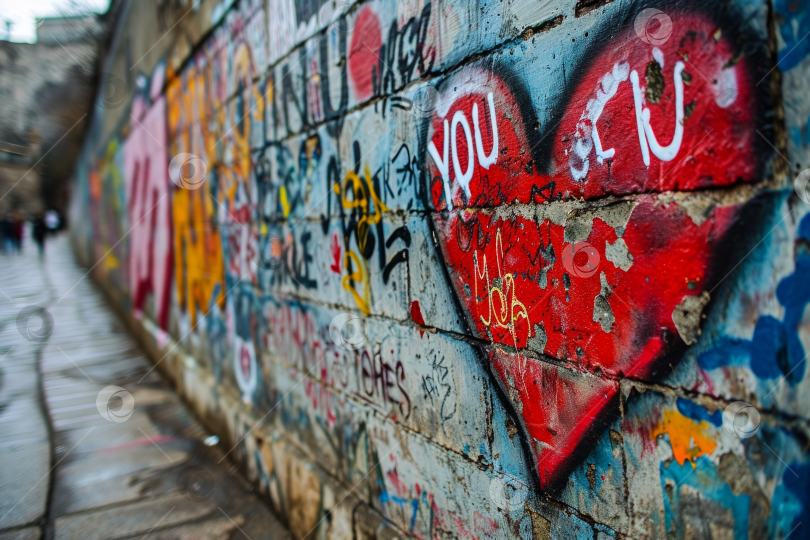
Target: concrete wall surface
489 269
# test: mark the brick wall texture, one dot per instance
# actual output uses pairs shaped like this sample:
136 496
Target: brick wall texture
490 269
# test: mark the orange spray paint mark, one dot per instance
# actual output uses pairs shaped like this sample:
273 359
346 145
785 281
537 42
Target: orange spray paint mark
689 439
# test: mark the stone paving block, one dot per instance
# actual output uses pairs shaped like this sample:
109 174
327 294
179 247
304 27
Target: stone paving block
30 533
24 483
139 517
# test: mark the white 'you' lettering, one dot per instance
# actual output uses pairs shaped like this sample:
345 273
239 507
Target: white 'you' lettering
450 139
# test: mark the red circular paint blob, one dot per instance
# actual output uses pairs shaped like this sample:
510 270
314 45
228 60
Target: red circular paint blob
364 52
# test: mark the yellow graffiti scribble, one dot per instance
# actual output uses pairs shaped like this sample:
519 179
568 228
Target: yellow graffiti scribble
285 204
108 183
506 313
689 439
242 66
199 267
361 201
111 261
198 249
358 276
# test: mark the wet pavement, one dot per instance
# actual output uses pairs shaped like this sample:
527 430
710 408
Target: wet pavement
86 450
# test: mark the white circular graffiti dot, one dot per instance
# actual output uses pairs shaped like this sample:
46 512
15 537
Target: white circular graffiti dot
245 365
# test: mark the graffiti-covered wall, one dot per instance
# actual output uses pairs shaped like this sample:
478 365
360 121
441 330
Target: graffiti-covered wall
489 269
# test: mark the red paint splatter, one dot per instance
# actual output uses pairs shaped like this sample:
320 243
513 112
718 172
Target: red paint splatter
244 362
484 524
146 441
399 486
416 316
364 52
335 266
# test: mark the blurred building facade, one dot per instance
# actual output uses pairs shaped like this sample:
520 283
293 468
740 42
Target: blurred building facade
19 177
45 94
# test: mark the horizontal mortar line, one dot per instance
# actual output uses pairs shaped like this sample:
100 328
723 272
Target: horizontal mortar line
658 386
92 349
23 370
758 187
775 415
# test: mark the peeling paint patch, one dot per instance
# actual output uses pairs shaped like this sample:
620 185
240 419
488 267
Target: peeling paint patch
687 316
618 254
539 340
602 312
591 475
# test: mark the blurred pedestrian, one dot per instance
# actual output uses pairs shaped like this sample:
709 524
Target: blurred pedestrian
7 231
19 227
39 232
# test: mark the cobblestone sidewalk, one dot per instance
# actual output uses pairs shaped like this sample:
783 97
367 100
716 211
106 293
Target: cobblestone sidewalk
67 472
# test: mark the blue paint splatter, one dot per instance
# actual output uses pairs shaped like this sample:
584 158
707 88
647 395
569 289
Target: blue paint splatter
791 504
694 411
768 348
804 225
775 349
795 25
729 352
798 484
387 497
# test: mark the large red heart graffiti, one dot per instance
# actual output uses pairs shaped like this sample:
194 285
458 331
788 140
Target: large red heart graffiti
582 257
